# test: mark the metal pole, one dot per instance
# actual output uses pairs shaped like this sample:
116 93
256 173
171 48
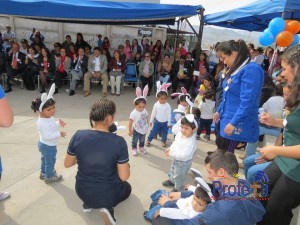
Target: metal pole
201 18
195 32
177 33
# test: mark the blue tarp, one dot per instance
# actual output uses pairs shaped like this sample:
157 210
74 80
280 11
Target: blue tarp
97 12
255 16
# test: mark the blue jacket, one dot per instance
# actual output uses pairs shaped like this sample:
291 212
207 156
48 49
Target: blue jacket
227 212
240 103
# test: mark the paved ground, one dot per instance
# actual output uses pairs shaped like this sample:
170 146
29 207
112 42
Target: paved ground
34 202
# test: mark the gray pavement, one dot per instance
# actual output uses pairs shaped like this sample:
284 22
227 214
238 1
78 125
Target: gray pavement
33 202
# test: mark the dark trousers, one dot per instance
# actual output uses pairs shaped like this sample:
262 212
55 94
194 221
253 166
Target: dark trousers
186 82
224 143
204 123
10 72
137 137
58 76
147 80
28 77
285 195
161 221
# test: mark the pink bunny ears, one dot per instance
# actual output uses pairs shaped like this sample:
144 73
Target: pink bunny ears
183 92
139 94
162 87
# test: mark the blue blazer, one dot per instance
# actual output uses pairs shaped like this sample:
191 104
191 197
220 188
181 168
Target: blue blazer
240 103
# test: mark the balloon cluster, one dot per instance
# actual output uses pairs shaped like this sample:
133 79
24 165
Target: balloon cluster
284 32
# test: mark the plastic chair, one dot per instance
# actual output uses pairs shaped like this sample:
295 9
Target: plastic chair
130 74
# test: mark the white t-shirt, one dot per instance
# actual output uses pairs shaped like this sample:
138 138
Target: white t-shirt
97 63
48 131
207 109
161 112
185 210
139 121
179 116
183 148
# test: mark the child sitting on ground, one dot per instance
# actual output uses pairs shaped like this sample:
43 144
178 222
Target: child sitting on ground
182 150
206 107
184 208
138 121
161 115
49 135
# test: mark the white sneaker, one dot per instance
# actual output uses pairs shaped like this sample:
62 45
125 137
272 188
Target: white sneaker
108 216
4 195
134 152
143 151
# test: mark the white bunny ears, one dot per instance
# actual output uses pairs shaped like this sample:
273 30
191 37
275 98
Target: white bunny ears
138 92
45 97
191 119
183 92
162 87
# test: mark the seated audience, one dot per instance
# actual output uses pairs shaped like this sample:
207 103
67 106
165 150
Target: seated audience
46 68
117 68
32 69
146 71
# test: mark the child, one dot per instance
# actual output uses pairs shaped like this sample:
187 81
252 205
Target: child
206 84
184 208
182 150
206 107
138 121
49 135
182 104
161 114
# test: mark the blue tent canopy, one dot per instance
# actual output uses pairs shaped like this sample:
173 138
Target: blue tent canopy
96 11
255 16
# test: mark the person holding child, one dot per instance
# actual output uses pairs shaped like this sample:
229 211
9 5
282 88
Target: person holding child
102 158
49 135
138 121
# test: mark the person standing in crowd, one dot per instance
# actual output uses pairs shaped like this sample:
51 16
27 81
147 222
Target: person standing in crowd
67 43
15 64
106 44
284 171
8 36
6 120
128 50
100 41
79 68
102 158
24 46
146 71
238 112
80 42
135 47
36 33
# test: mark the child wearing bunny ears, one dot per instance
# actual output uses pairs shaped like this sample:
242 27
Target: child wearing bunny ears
138 121
182 103
49 135
161 114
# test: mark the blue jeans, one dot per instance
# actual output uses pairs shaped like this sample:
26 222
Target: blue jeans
178 173
158 126
251 167
251 146
164 79
48 159
136 136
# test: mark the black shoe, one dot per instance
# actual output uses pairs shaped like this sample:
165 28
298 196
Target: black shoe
86 208
108 216
56 91
168 183
72 93
7 90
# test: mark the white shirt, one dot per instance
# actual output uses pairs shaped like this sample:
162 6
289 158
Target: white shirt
10 35
177 127
161 112
139 121
274 106
179 116
48 131
97 63
207 109
213 57
185 210
183 148
259 59
23 50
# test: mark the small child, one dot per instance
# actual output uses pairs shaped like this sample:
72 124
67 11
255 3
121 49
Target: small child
49 135
182 150
161 115
138 121
187 207
206 107
206 84
99 41
182 104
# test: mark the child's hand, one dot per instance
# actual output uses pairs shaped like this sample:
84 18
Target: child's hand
61 123
175 196
130 133
63 134
167 152
163 199
156 214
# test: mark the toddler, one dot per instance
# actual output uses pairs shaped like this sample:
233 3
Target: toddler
206 107
138 121
182 104
161 114
49 135
182 150
206 84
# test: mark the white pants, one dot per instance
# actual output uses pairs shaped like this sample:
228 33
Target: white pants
115 81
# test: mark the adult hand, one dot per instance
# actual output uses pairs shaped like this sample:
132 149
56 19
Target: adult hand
266 119
268 152
163 199
260 160
229 129
175 196
216 117
156 214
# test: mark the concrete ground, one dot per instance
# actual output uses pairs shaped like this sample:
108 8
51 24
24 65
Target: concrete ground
34 202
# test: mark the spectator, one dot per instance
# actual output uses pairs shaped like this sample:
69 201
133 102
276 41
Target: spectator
259 57
135 47
8 36
97 68
127 50
146 71
80 42
87 51
36 33
168 48
72 53
15 64
164 69
56 51
24 46
31 69
106 44
46 67
121 51
99 41
117 68
145 45
107 54
37 41
156 50
67 43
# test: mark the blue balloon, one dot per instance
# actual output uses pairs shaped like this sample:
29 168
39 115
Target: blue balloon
276 26
266 38
296 40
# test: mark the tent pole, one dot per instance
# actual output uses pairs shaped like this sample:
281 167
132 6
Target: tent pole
195 32
200 34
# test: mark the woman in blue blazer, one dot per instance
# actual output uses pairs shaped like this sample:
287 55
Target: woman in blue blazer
238 112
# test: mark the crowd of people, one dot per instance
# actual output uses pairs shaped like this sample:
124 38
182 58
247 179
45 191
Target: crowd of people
232 86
